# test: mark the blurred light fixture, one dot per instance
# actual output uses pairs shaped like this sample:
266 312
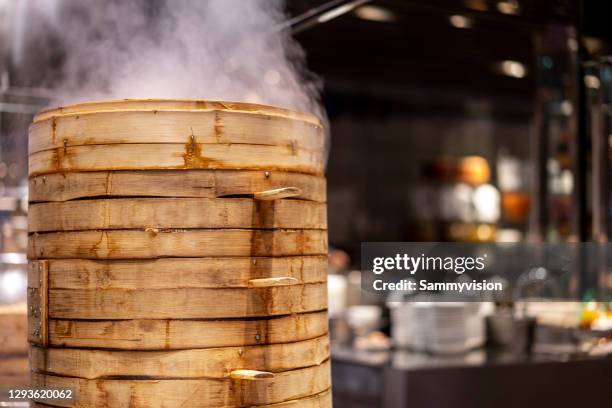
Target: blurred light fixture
593 45
508 7
375 13
13 258
484 232
486 202
13 284
591 81
513 69
478 5
473 170
566 107
459 21
566 182
509 235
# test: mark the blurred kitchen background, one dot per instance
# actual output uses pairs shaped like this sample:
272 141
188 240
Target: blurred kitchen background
451 120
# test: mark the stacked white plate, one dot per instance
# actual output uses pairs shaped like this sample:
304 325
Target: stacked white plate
454 327
442 327
409 325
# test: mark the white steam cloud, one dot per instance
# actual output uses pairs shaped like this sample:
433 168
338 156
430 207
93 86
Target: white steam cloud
192 49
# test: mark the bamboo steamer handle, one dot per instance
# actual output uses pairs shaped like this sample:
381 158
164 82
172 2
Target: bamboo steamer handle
270 282
251 375
277 193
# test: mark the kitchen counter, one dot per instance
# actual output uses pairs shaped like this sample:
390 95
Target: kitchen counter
480 378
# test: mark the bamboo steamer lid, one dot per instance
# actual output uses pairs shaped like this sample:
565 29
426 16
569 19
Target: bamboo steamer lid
168 134
234 391
171 105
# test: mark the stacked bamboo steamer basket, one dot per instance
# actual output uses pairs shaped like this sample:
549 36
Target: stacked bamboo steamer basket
178 255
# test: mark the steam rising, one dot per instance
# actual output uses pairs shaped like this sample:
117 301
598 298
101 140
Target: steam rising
192 49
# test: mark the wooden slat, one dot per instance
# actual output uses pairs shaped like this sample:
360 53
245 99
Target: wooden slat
185 334
193 393
196 363
322 400
175 156
162 105
131 213
131 244
110 304
171 183
174 273
223 127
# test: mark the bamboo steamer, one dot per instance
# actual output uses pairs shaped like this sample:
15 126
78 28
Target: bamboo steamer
159 243
194 363
150 135
288 387
171 183
199 213
178 255
169 334
176 273
114 304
